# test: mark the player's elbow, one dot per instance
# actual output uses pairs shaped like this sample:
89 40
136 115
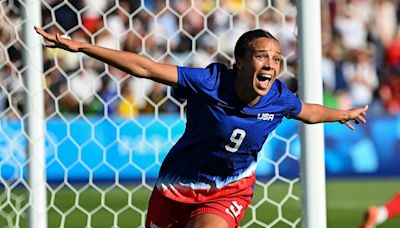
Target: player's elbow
312 120
308 116
309 120
142 73
139 66
311 114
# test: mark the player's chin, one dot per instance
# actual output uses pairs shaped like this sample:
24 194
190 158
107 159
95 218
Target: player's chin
262 91
262 88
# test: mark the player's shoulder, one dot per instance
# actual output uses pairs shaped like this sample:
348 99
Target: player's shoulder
278 86
212 70
217 68
218 73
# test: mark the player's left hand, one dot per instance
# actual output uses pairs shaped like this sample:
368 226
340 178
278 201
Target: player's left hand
58 41
354 115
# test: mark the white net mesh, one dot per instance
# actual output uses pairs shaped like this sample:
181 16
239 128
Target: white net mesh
107 133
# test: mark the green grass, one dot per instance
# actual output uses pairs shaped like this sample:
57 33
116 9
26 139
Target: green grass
83 206
347 200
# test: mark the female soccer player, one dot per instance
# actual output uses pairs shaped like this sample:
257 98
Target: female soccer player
207 177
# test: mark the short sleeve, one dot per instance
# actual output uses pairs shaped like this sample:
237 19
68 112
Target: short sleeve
292 102
197 80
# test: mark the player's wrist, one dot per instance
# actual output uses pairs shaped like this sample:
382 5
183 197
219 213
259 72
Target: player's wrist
344 116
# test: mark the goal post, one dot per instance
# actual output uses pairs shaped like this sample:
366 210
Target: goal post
312 140
35 130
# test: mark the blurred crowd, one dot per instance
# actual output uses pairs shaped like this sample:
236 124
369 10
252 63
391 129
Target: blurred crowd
360 50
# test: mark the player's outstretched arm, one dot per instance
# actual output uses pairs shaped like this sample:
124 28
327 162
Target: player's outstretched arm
131 63
314 113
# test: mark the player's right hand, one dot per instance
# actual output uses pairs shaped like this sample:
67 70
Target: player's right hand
57 41
355 115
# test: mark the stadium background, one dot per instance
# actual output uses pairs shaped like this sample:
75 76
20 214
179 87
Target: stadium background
107 133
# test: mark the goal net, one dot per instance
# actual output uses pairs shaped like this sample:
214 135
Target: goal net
106 133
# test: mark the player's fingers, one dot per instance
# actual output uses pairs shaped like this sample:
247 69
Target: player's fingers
50 40
357 113
58 39
362 119
362 111
38 30
45 35
348 124
50 45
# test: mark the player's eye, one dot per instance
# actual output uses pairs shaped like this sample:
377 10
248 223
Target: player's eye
277 59
263 56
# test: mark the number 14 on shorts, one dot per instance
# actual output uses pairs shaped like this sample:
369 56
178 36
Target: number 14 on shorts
234 210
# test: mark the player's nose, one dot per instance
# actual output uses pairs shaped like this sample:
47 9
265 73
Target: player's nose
267 67
267 64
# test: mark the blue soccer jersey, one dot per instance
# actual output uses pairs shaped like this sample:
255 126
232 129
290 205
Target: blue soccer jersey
223 135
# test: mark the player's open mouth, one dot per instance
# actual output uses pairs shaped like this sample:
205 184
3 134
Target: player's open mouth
264 79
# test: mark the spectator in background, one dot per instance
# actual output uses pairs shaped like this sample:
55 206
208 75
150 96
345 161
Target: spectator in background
256 6
167 26
327 15
158 102
329 78
383 30
118 21
206 50
350 25
288 34
270 22
385 22
92 17
126 104
84 85
393 52
11 86
12 95
54 81
361 76
107 39
389 92
334 79
109 91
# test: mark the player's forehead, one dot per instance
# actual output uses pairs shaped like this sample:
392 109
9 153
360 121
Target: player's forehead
265 45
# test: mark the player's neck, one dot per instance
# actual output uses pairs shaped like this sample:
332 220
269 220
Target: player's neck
245 94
